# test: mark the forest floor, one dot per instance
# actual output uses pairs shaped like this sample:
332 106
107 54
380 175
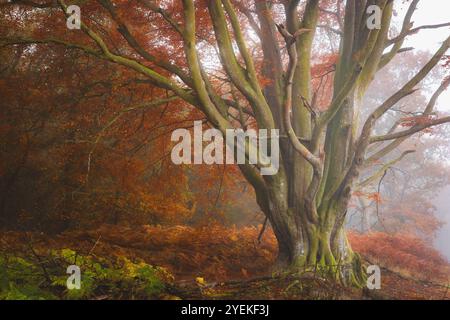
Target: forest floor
208 263
310 287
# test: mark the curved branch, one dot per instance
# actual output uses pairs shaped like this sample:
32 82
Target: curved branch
293 58
158 79
406 27
155 8
409 132
384 168
415 30
406 134
239 76
125 32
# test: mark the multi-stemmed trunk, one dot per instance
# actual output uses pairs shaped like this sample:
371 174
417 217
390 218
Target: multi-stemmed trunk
303 204
308 242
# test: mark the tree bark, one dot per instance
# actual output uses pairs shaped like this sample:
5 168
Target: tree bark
307 245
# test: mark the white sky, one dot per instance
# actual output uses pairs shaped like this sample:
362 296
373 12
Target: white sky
430 12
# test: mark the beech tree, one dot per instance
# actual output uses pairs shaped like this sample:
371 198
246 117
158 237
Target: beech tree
248 63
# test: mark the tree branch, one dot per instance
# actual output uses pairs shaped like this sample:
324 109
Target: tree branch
409 132
384 168
166 15
158 79
124 31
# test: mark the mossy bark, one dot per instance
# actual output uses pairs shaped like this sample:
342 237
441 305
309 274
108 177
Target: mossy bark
312 248
319 246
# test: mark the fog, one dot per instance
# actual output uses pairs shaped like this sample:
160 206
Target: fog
442 242
429 40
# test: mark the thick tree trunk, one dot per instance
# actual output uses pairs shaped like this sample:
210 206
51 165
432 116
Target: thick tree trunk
320 247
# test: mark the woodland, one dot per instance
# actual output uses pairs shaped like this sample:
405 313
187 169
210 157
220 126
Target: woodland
87 114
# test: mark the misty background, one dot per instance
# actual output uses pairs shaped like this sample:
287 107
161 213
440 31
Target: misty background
443 236
428 40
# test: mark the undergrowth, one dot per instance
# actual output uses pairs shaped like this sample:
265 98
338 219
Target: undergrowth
39 277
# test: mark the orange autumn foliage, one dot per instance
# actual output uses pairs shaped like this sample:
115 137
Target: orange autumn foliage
322 81
214 252
218 253
406 254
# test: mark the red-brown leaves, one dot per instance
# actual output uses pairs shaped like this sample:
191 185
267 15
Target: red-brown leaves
403 253
417 120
